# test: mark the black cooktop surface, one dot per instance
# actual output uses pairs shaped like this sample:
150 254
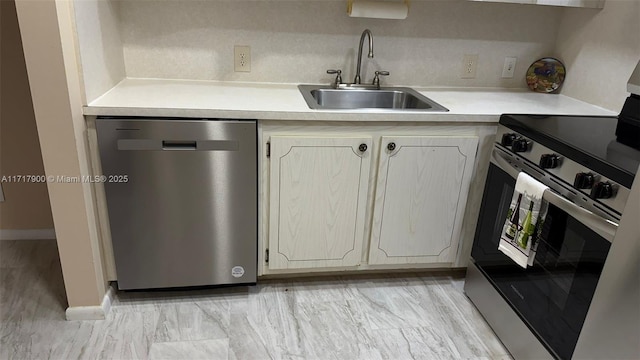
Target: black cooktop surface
589 140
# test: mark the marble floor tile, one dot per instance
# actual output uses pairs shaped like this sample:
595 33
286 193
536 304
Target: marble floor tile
245 340
384 308
272 315
412 343
193 321
121 336
28 253
470 318
330 330
32 292
324 289
369 317
467 343
192 350
43 339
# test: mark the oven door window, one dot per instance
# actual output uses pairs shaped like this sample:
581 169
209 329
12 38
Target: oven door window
554 294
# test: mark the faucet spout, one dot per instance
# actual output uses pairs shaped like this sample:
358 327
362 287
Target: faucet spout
366 32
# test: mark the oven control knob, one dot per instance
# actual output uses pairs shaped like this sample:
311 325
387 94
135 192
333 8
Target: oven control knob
602 190
507 139
549 161
520 145
583 180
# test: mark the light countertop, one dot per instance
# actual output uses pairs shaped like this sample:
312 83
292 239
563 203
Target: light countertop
214 99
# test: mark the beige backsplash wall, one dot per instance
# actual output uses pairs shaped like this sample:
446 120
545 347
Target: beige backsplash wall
600 51
98 35
296 41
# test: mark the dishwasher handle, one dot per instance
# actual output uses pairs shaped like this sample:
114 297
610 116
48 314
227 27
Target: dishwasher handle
177 145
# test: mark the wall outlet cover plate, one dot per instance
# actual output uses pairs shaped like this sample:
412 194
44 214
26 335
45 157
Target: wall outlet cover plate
469 66
241 58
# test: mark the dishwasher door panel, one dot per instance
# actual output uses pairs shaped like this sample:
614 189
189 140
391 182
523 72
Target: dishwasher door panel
187 216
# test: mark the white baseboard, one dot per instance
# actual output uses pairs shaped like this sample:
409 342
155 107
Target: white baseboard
28 234
92 312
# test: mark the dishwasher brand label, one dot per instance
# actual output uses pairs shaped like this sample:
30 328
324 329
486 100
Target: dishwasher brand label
237 271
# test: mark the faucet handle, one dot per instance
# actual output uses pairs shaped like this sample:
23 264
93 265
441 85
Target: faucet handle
376 79
338 73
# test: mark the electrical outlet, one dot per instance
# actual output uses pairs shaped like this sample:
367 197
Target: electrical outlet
242 58
509 66
469 65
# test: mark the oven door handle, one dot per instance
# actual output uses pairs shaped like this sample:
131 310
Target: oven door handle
603 227
499 160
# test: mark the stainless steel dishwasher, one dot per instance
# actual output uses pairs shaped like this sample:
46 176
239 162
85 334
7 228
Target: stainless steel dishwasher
182 200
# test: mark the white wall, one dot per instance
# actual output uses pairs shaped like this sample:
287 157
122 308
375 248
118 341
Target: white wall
296 41
97 27
600 50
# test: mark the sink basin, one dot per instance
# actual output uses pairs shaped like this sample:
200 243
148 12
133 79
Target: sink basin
386 98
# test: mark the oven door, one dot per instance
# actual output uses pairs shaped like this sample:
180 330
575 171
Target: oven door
552 296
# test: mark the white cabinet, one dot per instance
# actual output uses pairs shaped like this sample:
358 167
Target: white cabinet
325 205
317 200
420 198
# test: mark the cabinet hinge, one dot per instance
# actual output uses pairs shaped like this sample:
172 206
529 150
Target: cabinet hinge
268 149
266 258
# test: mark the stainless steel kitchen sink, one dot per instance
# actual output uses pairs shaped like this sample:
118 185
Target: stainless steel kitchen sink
389 98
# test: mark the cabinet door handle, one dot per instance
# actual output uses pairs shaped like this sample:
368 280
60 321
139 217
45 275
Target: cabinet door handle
391 146
362 147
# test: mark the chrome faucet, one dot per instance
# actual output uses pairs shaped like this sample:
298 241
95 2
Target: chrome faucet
368 33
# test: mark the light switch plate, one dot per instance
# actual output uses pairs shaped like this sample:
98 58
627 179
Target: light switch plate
469 66
509 66
242 58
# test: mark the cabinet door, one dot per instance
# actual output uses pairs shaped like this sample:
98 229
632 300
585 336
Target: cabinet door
420 198
318 194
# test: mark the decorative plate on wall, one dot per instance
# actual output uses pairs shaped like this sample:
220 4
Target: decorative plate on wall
546 75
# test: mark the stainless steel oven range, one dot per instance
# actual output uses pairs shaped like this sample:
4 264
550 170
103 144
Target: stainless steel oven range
539 312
